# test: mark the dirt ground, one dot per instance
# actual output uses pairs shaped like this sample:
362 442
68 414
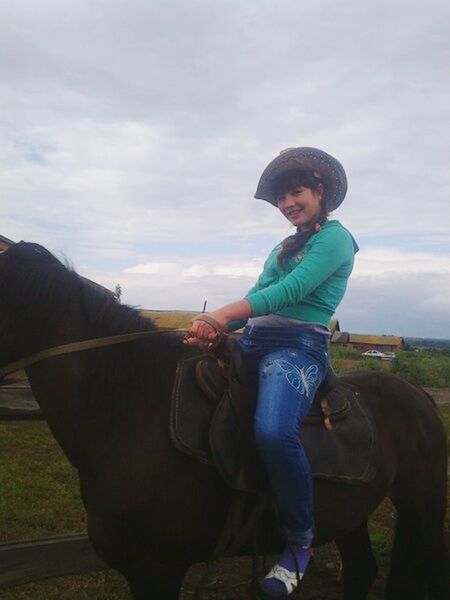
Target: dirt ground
231 579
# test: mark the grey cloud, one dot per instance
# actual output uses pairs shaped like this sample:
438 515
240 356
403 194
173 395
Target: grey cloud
397 304
131 121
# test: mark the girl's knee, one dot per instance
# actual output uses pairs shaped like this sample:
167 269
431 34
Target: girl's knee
264 434
273 438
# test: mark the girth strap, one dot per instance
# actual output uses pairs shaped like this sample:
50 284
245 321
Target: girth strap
238 532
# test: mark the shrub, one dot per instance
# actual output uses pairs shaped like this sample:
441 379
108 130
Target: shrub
424 368
341 365
342 352
369 364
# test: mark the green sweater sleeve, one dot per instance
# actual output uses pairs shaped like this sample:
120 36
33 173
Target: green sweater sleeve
330 250
237 324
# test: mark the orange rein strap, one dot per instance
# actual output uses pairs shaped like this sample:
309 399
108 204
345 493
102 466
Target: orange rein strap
78 347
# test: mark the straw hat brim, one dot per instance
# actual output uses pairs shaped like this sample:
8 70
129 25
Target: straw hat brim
330 170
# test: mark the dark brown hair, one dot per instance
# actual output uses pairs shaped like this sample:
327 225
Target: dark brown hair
288 182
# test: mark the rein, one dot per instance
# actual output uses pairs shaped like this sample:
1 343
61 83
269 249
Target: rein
101 342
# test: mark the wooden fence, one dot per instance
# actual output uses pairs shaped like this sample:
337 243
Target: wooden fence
31 560
17 401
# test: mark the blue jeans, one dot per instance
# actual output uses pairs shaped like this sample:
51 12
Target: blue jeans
289 365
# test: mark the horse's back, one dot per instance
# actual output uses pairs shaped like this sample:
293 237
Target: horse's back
392 393
410 429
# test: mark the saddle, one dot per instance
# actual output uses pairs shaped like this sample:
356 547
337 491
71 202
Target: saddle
212 411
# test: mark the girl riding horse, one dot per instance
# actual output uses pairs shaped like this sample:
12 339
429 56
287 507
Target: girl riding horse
285 340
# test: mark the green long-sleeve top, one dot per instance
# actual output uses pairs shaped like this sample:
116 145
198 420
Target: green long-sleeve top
313 282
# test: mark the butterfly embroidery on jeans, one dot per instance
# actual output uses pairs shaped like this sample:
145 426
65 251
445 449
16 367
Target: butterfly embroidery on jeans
300 379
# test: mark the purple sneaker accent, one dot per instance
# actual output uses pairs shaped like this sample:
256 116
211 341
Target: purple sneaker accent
283 579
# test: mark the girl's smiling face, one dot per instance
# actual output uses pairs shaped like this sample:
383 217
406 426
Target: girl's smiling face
301 205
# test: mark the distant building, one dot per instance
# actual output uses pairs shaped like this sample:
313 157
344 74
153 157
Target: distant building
340 337
384 343
5 243
334 327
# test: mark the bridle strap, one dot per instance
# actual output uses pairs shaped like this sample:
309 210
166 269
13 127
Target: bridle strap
79 346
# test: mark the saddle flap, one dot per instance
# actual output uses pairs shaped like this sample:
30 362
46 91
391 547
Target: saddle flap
232 441
348 453
191 412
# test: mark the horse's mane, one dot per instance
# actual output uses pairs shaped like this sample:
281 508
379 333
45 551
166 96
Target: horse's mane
34 280
40 293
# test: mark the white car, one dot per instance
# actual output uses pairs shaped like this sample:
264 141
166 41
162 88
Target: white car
373 354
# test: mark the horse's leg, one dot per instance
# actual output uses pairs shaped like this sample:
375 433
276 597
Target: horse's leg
406 577
358 563
150 572
150 578
419 564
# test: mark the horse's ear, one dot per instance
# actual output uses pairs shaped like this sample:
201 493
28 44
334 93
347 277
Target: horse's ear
30 250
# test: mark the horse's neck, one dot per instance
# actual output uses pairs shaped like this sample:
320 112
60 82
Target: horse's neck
95 406
57 388
80 406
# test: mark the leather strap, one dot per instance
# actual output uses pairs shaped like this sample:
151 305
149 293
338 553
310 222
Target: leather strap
238 531
207 319
78 347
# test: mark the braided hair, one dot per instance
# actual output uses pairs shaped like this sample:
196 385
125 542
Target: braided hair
288 182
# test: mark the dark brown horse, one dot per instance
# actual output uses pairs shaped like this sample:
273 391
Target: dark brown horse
152 511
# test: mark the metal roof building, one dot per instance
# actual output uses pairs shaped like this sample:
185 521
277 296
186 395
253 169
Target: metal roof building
5 243
368 342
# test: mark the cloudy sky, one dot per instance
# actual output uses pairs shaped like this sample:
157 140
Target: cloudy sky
133 134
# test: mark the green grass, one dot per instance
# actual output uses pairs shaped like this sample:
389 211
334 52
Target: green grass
39 489
108 585
365 364
342 352
427 368
40 497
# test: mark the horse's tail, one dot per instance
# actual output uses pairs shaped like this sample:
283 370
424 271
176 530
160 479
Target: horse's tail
420 562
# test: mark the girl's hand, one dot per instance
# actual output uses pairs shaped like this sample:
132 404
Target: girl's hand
201 332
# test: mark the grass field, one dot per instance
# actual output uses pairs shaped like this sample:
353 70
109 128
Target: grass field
429 368
40 497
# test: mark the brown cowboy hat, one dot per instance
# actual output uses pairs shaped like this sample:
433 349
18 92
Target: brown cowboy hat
324 165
